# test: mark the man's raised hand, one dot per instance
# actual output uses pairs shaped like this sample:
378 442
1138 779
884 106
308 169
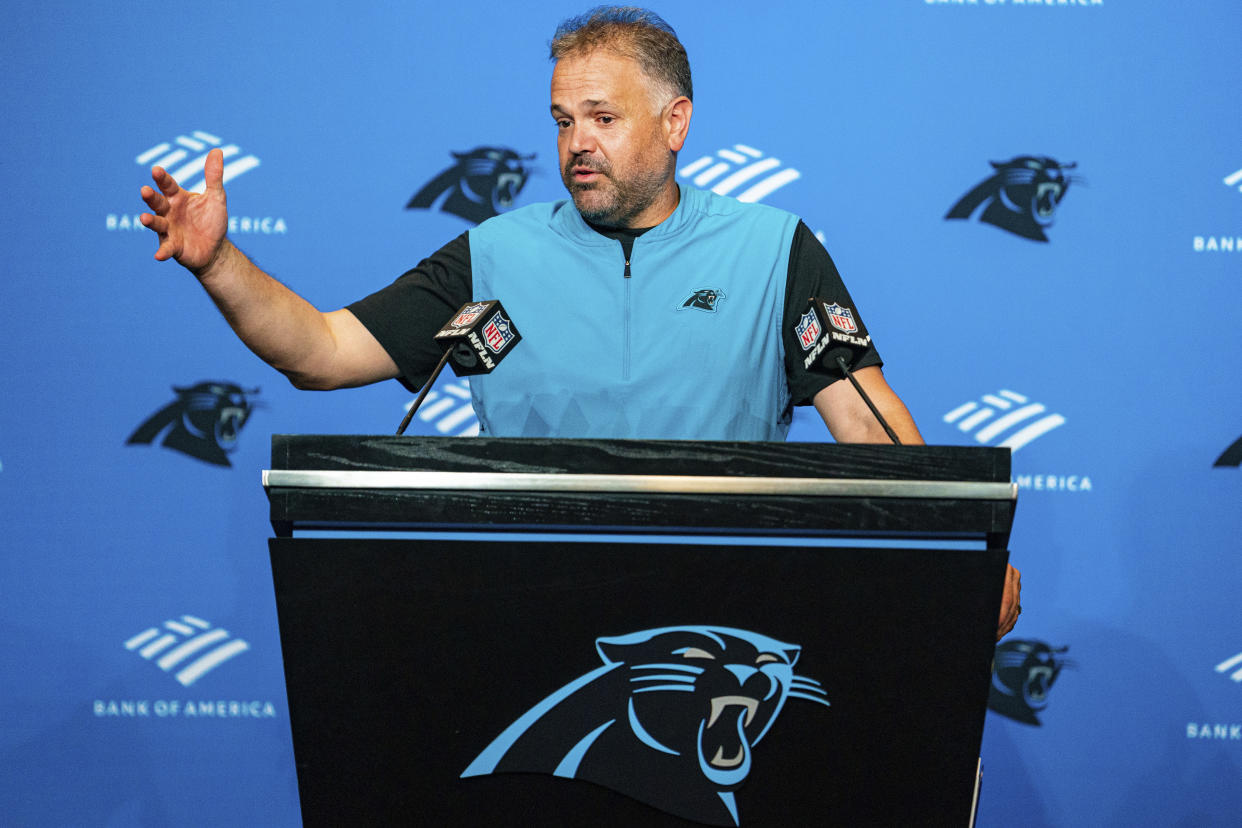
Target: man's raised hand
191 227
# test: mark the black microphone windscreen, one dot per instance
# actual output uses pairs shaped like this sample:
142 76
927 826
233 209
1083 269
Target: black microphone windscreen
478 337
828 331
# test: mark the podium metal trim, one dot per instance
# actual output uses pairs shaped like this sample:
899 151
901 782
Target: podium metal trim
626 483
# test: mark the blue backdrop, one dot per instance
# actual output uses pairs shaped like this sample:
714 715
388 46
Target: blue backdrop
142 674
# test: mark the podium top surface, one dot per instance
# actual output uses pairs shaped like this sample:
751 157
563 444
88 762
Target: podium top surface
384 483
342 452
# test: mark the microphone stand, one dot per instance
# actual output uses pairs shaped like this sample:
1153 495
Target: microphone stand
850 376
422 395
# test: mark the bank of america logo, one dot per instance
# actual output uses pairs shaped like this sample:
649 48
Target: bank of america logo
447 409
740 166
190 153
1234 664
1006 417
188 645
1234 180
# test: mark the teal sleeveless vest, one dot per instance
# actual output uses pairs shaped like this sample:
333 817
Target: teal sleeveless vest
687 346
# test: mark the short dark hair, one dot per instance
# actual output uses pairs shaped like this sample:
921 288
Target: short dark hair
632 32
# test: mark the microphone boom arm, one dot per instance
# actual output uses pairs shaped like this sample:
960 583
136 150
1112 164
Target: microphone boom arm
850 376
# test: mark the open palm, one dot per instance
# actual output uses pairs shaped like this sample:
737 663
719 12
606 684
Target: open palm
191 227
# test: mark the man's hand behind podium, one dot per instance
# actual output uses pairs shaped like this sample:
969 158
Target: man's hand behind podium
1011 602
191 227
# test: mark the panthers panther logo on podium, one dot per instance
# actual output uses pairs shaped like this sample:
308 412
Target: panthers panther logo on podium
483 183
1021 197
204 421
670 719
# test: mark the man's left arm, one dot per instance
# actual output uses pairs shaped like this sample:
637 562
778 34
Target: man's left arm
851 421
843 410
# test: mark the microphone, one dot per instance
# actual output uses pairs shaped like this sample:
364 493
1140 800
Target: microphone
477 337
833 345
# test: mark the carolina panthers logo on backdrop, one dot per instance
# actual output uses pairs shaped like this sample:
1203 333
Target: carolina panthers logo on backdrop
669 719
1231 456
1022 676
203 421
1021 197
707 299
483 183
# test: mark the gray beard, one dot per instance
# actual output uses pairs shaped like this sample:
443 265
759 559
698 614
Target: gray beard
628 198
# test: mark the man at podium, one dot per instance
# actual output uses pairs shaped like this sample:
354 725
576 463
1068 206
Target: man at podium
647 310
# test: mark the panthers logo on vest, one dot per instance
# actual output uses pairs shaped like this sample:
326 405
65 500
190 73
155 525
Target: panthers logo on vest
1021 197
203 421
669 719
483 183
707 299
1023 673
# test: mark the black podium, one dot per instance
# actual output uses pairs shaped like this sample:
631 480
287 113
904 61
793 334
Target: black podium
633 633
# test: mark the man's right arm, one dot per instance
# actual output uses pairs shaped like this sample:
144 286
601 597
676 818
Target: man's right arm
314 350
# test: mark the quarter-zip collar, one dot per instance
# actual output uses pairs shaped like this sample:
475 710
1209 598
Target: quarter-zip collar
569 222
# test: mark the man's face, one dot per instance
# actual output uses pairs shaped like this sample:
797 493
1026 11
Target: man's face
613 146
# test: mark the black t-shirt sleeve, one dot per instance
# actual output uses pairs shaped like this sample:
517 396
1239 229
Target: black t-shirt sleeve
812 273
405 315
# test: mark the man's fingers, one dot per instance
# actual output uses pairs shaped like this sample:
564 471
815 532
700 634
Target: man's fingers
167 184
1007 622
155 200
157 223
165 251
213 170
1011 602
